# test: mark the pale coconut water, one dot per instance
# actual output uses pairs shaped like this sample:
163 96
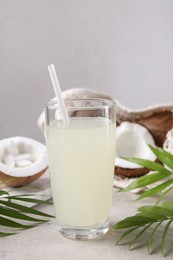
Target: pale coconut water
81 159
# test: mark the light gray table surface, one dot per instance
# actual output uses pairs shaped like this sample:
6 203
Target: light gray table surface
45 243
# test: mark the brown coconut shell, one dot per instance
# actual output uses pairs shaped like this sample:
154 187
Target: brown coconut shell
19 181
130 173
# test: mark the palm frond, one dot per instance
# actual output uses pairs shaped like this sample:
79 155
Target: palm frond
17 212
161 177
144 220
150 218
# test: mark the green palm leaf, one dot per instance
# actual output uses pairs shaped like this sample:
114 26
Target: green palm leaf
145 218
156 190
146 180
151 236
4 234
10 223
31 200
125 234
13 215
160 173
164 236
151 215
163 156
24 209
168 205
4 193
139 235
132 222
149 164
162 211
163 195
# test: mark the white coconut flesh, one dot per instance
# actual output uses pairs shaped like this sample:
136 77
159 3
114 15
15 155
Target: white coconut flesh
21 156
132 142
168 144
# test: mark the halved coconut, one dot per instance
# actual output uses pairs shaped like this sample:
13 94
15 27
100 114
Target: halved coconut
22 160
132 141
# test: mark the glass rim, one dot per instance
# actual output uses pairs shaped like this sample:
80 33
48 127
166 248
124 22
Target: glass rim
104 103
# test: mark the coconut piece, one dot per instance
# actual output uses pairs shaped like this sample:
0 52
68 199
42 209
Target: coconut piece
158 119
168 144
132 141
12 148
124 182
28 164
24 156
8 160
23 163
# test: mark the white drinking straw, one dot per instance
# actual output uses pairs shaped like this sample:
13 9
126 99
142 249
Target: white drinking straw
58 94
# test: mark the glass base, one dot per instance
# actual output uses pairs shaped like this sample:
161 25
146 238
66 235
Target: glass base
84 233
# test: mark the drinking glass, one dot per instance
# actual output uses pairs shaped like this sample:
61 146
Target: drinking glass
81 162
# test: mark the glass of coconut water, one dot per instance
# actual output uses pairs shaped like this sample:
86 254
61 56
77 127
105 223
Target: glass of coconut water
81 162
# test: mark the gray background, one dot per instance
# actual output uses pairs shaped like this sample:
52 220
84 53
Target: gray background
121 47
